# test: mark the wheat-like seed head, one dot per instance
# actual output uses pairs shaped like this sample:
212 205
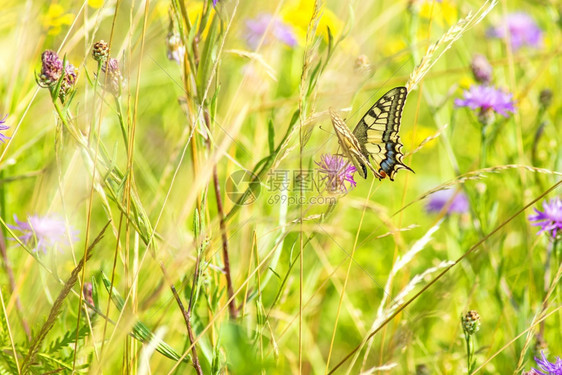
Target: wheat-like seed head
446 41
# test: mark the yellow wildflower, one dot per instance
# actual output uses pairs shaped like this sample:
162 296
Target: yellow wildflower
96 4
55 18
465 82
422 133
444 13
297 13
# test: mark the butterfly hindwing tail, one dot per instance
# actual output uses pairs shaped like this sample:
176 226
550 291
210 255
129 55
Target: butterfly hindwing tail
377 133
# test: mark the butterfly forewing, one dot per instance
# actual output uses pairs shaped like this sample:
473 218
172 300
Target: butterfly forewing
351 146
377 133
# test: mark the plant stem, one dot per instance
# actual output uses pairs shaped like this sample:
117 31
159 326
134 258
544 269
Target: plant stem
121 123
186 317
483 146
226 259
468 353
222 223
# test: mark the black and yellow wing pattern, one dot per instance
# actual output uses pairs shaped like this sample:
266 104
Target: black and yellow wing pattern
376 136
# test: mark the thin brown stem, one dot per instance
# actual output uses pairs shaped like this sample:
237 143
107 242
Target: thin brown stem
232 304
222 223
186 316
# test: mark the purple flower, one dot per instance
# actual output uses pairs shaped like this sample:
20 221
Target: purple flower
337 172
522 29
68 81
3 127
549 368
51 69
455 203
114 78
69 75
270 29
487 98
481 68
44 232
215 3
176 49
551 219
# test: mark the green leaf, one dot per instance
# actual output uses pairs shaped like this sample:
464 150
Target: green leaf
208 57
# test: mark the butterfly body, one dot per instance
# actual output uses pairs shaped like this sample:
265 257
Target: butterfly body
375 136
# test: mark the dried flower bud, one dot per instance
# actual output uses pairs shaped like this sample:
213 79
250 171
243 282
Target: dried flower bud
481 69
545 97
68 81
100 52
51 69
470 322
88 293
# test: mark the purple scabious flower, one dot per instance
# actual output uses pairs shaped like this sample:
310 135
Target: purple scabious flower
554 368
522 29
486 99
455 203
44 232
270 29
337 171
51 69
2 128
551 219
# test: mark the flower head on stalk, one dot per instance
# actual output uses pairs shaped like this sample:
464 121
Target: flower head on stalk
100 51
487 100
554 368
51 69
521 28
44 232
550 220
470 322
114 79
3 127
336 172
68 81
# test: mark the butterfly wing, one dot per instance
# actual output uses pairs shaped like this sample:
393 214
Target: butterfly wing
351 146
377 133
